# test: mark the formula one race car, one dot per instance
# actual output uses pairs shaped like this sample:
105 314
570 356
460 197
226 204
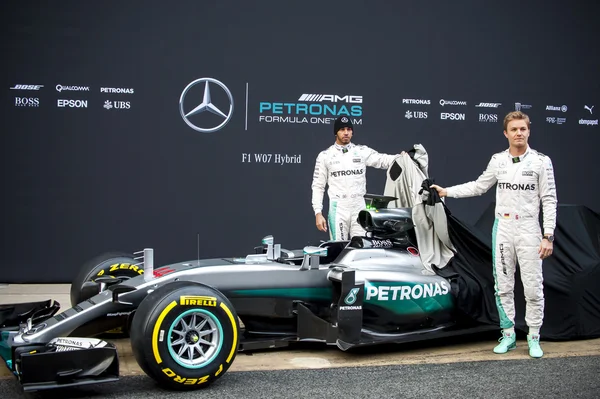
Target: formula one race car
183 319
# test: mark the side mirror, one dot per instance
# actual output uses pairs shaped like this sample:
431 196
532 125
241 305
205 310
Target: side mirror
311 257
273 251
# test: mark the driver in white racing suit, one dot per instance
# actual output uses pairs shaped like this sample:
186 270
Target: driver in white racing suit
525 179
343 167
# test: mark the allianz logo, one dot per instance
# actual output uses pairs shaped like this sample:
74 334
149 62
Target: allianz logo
562 108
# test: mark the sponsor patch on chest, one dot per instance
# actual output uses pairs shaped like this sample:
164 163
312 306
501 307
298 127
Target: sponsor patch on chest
347 173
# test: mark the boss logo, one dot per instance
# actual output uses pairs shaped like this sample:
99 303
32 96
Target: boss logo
27 102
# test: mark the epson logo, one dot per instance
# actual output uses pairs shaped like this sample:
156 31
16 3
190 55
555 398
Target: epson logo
527 173
452 116
26 87
488 118
27 102
415 101
334 98
347 173
114 90
72 103
405 292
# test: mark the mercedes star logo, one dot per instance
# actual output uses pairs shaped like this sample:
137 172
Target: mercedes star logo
205 105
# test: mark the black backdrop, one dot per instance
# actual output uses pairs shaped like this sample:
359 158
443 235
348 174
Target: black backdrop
130 173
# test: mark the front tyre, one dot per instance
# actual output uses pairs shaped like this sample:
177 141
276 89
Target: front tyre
111 264
185 335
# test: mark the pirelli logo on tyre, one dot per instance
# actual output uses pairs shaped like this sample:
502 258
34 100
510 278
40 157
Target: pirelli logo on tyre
182 380
189 300
119 267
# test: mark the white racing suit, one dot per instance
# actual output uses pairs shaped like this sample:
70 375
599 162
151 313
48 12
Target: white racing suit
523 182
344 169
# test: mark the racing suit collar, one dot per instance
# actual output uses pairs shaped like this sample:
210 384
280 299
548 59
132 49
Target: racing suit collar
520 157
343 148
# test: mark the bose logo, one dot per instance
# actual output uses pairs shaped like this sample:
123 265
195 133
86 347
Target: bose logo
27 87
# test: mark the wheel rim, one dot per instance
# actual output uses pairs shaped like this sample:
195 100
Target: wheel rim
195 338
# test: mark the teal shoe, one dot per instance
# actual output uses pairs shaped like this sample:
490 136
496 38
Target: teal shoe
507 343
534 346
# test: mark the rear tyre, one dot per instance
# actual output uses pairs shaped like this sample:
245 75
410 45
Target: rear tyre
185 335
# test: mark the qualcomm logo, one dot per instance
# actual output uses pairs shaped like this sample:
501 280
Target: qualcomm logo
199 123
452 102
61 88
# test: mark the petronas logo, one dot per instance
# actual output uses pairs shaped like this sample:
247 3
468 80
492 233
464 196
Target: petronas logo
351 297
